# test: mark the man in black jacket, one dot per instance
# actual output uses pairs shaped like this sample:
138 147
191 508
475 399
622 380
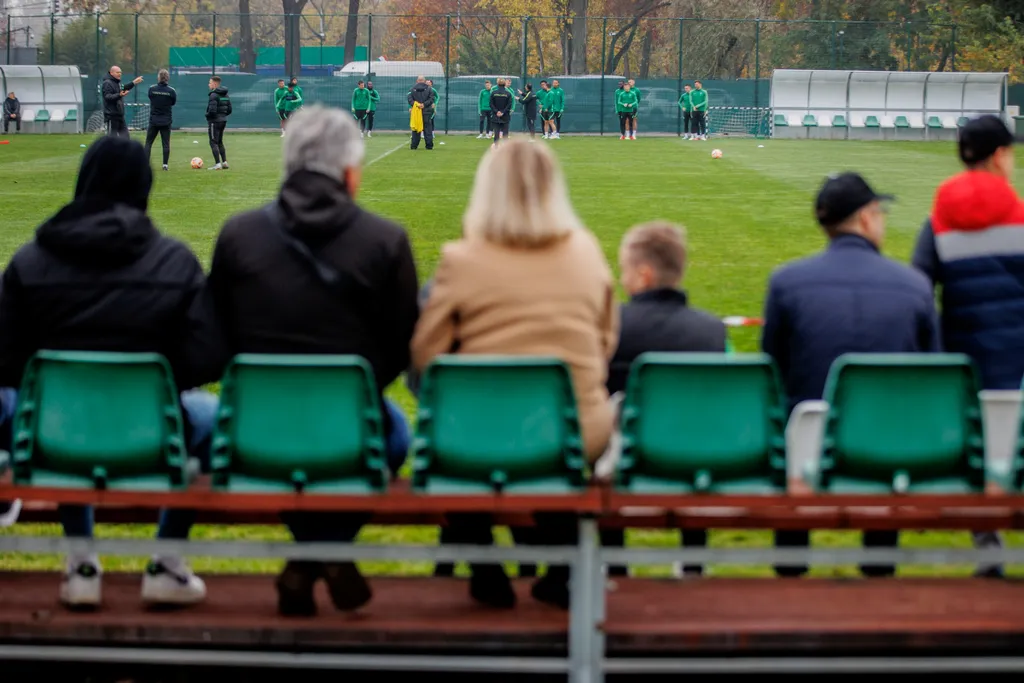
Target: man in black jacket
161 98
12 112
501 108
658 317
218 109
314 273
113 102
528 99
422 95
99 277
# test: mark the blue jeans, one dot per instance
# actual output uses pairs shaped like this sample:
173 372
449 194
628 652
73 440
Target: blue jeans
342 527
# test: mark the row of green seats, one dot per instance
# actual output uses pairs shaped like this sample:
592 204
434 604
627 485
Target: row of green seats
691 424
839 121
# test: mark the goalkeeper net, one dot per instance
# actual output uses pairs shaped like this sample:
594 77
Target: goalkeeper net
136 115
740 121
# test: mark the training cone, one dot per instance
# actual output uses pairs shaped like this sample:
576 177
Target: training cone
5 142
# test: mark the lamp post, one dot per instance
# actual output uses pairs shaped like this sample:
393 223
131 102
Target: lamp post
415 47
842 36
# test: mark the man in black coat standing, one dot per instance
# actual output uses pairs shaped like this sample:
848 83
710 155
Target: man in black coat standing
161 98
113 102
501 110
422 95
528 99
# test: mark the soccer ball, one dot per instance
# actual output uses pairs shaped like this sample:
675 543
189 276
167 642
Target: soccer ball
716 154
197 162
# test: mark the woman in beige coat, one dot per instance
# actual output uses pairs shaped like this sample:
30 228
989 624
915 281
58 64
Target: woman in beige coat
526 279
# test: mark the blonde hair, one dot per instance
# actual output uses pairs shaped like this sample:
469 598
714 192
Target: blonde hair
660 245
519 198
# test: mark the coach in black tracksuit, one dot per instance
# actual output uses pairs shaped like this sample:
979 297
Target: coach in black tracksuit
113 102
501 108
218 109
528 99
422 93
161 98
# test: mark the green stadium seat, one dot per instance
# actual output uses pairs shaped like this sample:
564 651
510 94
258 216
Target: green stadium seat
491 424
934 122
42 116
703 423
72 115
780 120
299 423
901 122
810 121
872 122
901 423
839 121
99 420
962 121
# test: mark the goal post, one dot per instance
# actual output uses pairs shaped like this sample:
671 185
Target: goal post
740 121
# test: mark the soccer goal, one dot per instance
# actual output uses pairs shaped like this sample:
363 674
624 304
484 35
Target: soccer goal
740 121
136 115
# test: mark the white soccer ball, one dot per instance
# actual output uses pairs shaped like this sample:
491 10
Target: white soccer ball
716 154
197 162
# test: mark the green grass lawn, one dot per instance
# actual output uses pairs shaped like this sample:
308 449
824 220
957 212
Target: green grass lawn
745 213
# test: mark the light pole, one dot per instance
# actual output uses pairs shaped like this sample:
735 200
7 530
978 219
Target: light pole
842 35
415 47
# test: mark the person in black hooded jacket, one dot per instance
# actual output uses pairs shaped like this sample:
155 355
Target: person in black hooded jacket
113 102
99 277
218 109
314 273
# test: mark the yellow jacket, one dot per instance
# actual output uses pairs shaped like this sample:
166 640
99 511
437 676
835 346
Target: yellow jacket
416 119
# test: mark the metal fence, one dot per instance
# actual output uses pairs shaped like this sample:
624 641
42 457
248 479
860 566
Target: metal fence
733 58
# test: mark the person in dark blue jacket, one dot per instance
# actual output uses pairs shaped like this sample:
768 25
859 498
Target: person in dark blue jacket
848 299
161 98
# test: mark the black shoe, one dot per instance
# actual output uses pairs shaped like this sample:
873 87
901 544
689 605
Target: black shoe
490 586
527 570
790 572
553 590
295 588
618 570
990 573
348 589
878 571
694 571
444 569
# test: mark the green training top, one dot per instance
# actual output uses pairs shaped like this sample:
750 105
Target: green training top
556 103
699 100
615 97
484 100
279 98
360 99
544 99
374 99
628 101
292 100
684 101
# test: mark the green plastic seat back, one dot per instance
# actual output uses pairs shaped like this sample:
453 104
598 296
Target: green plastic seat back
92 419
934 122
902 122
704 418
780 120
298 422
904 420
42 116
810 120
72 115
497 421
871 122
839 121
962 121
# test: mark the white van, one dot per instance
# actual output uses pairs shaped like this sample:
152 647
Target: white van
432 70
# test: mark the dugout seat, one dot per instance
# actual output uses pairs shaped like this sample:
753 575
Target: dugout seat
299 423
935 122
962 121
780 120
872 122
810 121
43 118
99 420
839 121
72 115
703 423
901 423
490 424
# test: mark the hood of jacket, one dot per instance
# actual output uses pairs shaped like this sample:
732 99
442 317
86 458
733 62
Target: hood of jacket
106 223
315 206
110 77
219 91
975 200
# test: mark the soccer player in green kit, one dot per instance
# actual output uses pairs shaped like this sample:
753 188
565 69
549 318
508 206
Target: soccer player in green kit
628 101
686 105
636 112
484 108
699 100
372 111
546 115
279 103
360 106
618 110
556 101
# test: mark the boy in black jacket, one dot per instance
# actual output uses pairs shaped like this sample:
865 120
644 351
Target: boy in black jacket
218 109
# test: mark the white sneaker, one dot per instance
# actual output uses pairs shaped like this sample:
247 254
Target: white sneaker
225 166
544 137
480 137
169 581
165 167
362 134
11 516
82 585
369 134
215 168
282 133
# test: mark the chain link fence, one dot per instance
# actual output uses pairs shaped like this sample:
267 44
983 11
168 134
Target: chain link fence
589 55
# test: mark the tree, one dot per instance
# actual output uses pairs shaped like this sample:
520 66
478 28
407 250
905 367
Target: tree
352 31
623 35
293 35
577 31
246 49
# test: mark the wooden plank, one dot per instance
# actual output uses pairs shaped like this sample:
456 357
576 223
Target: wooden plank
739 616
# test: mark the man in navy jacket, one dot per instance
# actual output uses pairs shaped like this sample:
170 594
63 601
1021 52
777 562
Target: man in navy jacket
848 299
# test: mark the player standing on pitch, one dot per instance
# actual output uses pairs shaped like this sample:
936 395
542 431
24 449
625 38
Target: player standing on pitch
501 109
636 112
686 105
628 102
544 98
279 94
557 105
161 98
360 106
372 111
218 109
618 110
484 105
699 100
113 102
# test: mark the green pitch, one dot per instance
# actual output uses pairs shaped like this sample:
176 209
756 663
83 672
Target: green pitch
746 213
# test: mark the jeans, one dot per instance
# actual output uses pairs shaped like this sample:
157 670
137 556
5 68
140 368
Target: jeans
342 527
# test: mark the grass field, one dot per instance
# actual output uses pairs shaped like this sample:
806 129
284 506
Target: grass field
746 214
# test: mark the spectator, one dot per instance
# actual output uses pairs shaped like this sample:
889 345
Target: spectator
99 277
848 299
527 280
314 273
12 112
972 246
652 260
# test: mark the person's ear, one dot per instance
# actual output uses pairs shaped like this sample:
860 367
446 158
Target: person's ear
352 179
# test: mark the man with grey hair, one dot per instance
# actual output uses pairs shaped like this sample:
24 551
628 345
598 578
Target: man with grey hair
161 98
314 273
